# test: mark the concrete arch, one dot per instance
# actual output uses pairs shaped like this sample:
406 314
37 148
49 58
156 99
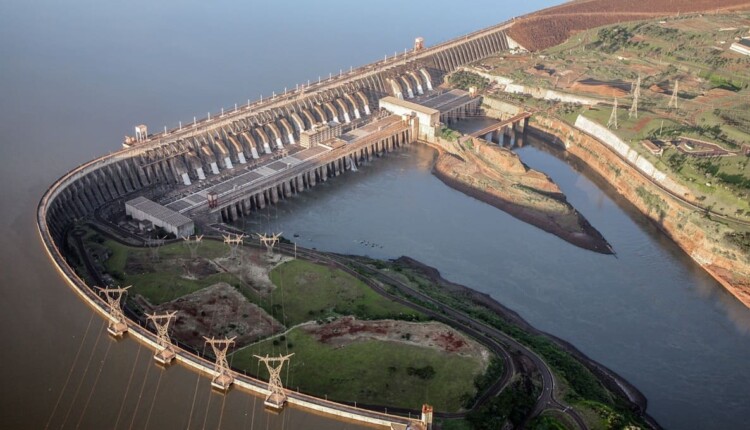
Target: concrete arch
396 90
365 103
354 104
321 113
287 128
418 82
276 134
344 109
265 142
309 117
332 109
298 122
427 77
249 140
407 85
239 151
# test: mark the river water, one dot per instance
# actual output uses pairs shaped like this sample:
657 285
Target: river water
76 76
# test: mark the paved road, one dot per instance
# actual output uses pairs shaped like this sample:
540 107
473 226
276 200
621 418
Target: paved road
498 341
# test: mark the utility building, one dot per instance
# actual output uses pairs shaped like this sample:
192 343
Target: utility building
428 117
141 208
319 134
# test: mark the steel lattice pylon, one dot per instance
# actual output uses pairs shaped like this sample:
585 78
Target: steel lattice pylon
277 397
118 324
234 242
161 323
269 241
636 96
673 100
193 244
224 377
612 123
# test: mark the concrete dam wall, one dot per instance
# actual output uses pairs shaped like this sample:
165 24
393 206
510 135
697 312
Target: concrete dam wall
261 130
197 151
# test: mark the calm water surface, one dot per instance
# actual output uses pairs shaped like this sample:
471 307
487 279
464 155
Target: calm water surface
649 313
76 76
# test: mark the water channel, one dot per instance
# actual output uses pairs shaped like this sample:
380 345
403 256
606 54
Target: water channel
76 76
649 312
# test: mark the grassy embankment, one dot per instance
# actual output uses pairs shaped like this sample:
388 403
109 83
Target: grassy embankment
160 277
366 371
711 101
369 372
579 387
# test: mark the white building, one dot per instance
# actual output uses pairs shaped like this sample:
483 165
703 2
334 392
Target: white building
141 208
741 47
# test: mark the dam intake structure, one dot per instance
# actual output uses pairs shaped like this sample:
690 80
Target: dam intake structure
225 166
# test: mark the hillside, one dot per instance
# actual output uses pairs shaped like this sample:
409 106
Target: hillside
552 26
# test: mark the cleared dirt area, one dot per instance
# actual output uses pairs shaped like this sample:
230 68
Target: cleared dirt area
552 26
219 310
599 89
430 334
253 267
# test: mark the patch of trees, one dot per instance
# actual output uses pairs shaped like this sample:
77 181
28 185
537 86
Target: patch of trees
513 405
741 240
466 80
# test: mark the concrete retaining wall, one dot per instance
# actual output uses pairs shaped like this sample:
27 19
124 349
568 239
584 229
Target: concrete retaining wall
616 144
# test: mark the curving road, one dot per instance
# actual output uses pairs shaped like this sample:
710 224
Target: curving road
495 339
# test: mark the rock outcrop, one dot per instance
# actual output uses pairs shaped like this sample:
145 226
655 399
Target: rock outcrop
497 176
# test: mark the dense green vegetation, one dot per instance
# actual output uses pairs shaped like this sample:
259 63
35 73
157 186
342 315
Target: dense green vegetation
448 134
466 80
512 405
308 291
654 203
368 371
741 240
546 422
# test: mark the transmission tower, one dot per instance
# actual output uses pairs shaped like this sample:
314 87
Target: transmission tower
154 245
269 241
673 101
118 325
234 242
612 123
167 353
193 245
277 397
636 95
224 378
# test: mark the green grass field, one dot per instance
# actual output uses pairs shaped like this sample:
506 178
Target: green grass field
368 372
159 280
308 291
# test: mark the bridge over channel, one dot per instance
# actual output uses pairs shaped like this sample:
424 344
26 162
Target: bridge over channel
511 124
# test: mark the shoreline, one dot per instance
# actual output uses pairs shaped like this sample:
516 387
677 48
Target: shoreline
591 239
693 245
607 377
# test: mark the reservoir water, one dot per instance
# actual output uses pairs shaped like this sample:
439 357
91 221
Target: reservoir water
76 76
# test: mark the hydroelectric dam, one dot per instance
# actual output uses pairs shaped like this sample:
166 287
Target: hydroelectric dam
243 159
